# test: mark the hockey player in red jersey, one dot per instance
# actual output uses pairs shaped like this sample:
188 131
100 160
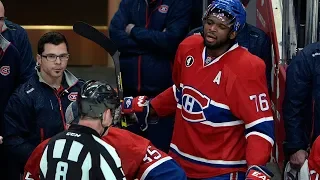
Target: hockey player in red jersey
139 158
224 126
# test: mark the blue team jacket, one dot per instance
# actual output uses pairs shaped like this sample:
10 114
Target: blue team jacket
301 105
17 64
19 38
148 53
10 76
256 41
35 112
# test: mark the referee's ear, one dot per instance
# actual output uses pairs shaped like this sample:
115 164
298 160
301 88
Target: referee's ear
107 118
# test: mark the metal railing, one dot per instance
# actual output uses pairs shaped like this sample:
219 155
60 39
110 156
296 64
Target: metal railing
312 22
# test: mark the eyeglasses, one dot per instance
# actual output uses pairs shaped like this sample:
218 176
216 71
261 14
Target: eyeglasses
53 57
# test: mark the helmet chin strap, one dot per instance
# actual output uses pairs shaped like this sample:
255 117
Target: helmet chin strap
104 130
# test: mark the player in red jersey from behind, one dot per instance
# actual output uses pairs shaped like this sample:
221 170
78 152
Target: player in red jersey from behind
224 126
139 158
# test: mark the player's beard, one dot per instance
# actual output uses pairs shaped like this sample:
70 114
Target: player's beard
218 44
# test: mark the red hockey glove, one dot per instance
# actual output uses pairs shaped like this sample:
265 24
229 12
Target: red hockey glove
138 106
258 173
132 105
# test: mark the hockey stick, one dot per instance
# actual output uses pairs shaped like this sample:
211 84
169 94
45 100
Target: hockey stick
85 30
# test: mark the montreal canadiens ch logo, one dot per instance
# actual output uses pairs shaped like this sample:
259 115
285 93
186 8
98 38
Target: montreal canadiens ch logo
193 103
73 96
5 70
163 8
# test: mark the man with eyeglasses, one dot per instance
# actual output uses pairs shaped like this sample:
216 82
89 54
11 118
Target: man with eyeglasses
36 109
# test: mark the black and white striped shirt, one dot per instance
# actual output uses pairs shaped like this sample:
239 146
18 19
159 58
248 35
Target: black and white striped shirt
79 154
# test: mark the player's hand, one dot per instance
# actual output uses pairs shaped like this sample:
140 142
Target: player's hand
1 139
134 105
258 172
298 158
129 28
139 106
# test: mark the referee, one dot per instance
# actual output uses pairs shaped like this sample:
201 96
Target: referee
78 153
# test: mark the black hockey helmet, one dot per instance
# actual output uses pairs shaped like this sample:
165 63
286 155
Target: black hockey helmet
95 97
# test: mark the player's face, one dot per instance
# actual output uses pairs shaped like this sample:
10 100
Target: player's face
216 32
54 59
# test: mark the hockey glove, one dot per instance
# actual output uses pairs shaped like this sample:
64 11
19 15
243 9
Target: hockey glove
138 106
258 173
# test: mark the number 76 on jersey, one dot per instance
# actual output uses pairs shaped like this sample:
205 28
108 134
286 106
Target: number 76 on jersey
260 101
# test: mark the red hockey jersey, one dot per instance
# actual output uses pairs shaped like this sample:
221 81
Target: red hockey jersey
314 160
139 158
223 116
